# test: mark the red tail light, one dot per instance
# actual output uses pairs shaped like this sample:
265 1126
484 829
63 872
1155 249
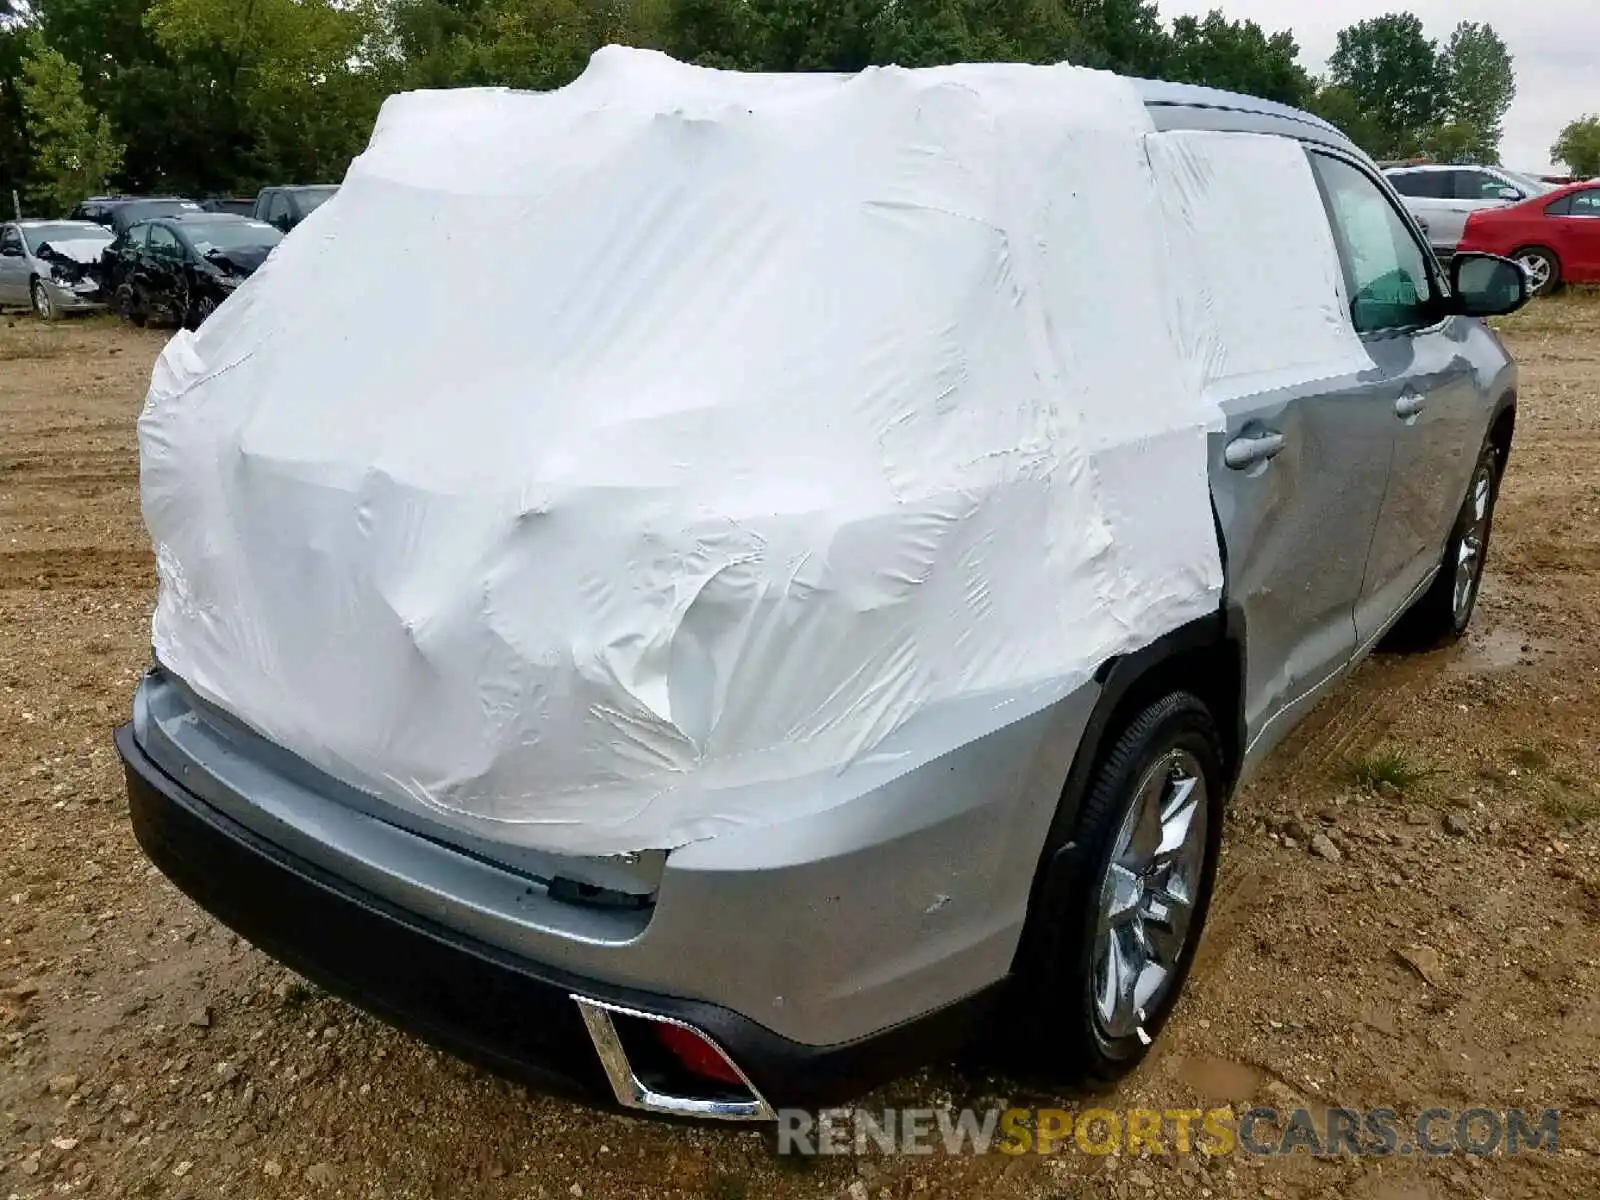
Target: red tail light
696 1055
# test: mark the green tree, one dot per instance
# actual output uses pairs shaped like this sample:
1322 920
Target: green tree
1239 56
296 83
547 43
1479 85
436 42
1457 142
1392 71
921 33
14 151
1119 35
1339 107
1579 147
182 132
711 33
74 150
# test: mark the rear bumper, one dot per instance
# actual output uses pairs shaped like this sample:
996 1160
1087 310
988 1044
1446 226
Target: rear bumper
517 1017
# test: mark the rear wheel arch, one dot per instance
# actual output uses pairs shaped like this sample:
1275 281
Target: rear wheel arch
1193 675
1204 658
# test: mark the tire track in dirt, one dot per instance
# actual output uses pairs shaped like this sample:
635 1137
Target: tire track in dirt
75 567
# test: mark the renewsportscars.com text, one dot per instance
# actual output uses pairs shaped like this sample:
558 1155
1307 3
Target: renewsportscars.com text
1376 1132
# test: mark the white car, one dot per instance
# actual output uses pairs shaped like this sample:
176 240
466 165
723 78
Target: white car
1441 197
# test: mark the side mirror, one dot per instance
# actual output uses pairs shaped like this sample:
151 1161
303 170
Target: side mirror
1509 193
1486 285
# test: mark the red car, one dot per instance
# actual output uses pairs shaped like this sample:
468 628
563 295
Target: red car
1556 237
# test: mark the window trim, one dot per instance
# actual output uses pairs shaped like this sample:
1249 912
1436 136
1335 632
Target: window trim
1458 174
1438 188
1571 200
1438 287
151 243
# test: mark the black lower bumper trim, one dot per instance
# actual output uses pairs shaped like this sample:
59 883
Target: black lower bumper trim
510 1015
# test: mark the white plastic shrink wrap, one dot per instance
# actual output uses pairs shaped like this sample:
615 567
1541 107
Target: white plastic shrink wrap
680 450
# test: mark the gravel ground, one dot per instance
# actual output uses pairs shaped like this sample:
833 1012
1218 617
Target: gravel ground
1428 936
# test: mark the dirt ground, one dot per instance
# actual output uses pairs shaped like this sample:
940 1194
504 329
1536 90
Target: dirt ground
146 1051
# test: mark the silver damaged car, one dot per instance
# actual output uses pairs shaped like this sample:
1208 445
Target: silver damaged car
52 267
801 963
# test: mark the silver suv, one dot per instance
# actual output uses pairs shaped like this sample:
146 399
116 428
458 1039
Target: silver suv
1441 198
1058 868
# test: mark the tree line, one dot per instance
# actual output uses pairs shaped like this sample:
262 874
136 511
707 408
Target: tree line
224 96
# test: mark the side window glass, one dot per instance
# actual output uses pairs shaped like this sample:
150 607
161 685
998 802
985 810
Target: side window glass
1561 208
1433 185
10 241
1585 204
1479 185
1386 270
163 244
1405 182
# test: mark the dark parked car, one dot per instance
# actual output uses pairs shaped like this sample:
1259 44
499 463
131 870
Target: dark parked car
119 212
286 207
128 214
239 206
99 208
178 269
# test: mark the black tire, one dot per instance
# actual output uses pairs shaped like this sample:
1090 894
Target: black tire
1439 616
40 299
1553 279
197 310
125 306
1064 1039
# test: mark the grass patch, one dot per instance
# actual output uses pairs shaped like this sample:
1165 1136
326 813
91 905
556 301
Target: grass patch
33 348
1531 758
1573 809
1558 313
1391 767
723 1186
1492 775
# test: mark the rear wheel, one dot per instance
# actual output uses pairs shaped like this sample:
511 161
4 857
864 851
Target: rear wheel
1543 268
1120 912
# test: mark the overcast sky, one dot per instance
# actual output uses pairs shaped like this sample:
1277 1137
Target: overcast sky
1554 44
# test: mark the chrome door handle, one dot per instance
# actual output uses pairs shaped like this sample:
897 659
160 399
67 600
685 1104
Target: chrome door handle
1409 405
1245 452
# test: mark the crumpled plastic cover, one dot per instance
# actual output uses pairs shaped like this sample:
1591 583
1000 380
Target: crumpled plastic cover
605 469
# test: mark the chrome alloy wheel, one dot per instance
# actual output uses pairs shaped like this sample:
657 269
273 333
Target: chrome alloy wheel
1469 554
1537 267
1148 895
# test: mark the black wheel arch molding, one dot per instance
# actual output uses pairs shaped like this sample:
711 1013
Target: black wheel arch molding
1205 657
